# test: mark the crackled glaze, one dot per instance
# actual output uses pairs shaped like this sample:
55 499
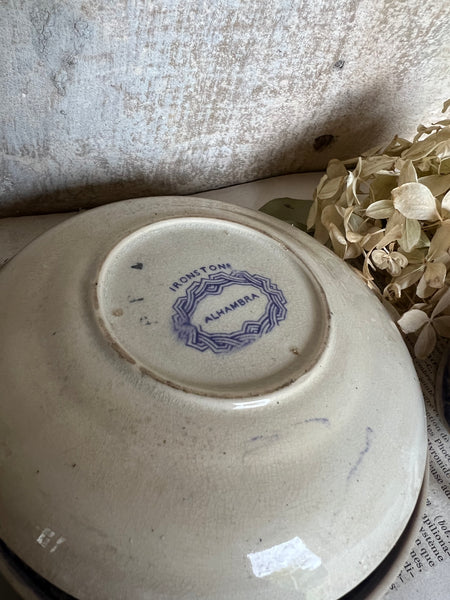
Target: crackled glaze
157 453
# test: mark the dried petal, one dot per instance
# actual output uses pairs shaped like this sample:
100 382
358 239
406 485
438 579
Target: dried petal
352 251
394 268
350 192
382 186
407 173
331 215
424 241
446 105
354 237
393 235
331 188
370 240
421 129
443 303
423 290
336 168
415 201
425 342
423 148
435 273
397 146
411 274
338 240
411 235
420 149
396 219
392 292
312 215
380 209
321 234
445 205
442 149
437 184
417 256
352 221
380 258
440 244
373 164
442 326
412 320
399 258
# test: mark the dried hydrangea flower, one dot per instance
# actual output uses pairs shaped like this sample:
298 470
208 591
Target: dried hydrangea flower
388 212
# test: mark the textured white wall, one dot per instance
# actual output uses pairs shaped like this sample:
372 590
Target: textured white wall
107 100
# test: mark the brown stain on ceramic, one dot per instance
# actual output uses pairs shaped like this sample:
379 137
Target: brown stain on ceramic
114 345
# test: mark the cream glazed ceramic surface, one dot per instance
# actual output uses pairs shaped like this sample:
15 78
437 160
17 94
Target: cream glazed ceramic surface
200 402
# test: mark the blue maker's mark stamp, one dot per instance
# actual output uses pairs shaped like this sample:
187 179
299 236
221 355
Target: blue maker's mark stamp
196 337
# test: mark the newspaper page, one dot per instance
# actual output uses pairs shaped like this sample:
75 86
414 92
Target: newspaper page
426 573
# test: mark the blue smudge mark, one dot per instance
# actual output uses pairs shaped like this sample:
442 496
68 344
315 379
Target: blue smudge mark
364 451
322 420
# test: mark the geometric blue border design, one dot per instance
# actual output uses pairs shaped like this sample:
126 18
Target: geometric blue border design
219 343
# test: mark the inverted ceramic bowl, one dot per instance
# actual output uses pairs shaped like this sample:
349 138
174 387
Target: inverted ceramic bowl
202 403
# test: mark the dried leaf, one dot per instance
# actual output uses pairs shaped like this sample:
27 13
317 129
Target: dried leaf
425 342
412 320
415 201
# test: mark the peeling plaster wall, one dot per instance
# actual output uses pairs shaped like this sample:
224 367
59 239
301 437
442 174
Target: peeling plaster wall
108 100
